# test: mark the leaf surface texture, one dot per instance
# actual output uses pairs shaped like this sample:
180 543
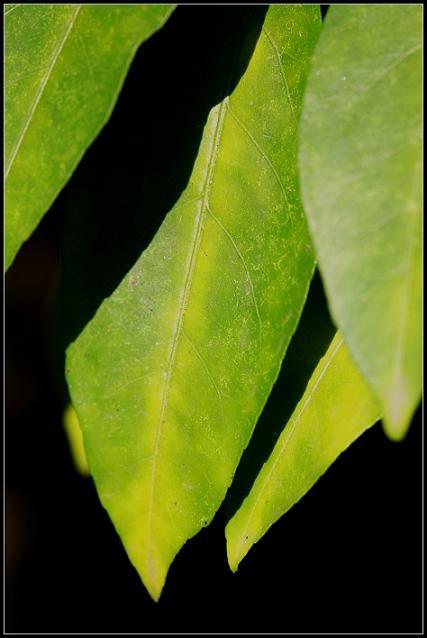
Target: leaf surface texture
169 377
64 66
360 166
336 407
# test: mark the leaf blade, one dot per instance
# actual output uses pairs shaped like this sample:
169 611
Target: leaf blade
62 80
336 408
364 211
194 395
75 440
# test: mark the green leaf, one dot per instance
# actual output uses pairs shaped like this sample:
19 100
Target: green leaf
64 67
337 406
75 440
170 375
360 165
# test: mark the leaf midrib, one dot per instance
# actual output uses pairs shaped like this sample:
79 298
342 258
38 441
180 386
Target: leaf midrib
190 267
178 326
42 87
11 8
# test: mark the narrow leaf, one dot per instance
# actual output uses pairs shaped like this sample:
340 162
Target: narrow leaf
170 375
360 166
337 406
64 66
75 440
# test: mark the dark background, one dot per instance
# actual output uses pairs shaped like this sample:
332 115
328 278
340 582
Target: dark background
347 558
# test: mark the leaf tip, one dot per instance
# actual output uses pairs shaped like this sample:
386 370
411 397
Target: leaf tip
150 559
237 548
152 580
398 412
154 571
155 592
396 430
233 562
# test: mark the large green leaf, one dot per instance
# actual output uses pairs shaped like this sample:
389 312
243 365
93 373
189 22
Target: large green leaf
337 406
360 166
169 377
64 66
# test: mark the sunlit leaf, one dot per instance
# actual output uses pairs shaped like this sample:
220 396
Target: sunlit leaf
170 375
360 167
64 66
337 406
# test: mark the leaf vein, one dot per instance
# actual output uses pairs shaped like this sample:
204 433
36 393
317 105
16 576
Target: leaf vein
239 254
86 56
41 90
206 367
388 69
327 362
281 67
178 326
14 6
260 151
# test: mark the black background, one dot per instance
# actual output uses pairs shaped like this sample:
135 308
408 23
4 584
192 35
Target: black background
347 558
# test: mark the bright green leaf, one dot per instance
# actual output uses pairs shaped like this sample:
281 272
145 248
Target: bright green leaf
64 66
360 166
170 375
337 406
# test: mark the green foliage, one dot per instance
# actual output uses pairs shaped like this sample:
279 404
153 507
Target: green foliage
317 432
64 67
75 439
212 299
361 184
174 340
